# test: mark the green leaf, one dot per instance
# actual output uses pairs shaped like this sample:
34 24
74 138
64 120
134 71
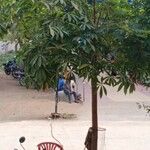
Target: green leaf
69 17
52 32
126 86
46 4
105 90
75 5
34 60
131 88
56 2
39 62
83 66
62 2
91 45
61 34
120 86
101 92
113 82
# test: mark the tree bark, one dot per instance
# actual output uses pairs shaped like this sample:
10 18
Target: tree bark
94 142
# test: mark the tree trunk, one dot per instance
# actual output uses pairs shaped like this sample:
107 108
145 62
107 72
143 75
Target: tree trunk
94 142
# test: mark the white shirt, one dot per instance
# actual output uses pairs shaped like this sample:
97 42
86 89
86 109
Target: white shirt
73 86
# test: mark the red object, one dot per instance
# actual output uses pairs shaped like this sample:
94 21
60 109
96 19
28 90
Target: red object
49 146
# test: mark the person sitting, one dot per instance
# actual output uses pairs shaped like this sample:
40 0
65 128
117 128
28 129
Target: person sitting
73 88
61 83
60 88
67 90
77 96
70 89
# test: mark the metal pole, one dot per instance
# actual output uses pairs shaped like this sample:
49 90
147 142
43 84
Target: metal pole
56 101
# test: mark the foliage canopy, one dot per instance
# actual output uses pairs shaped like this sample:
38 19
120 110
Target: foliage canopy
57 34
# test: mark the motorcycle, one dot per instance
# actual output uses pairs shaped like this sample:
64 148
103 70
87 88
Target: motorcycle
7 69
9 66
21 140
18 73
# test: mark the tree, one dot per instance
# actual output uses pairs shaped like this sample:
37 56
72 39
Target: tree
103 42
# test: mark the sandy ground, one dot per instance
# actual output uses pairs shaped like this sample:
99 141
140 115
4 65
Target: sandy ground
119 135
23 112
19 103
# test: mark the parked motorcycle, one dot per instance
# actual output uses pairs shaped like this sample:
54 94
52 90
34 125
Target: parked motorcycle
18 73
21 140
9 66
7 69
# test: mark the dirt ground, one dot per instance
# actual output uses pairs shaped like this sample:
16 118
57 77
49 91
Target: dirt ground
23 112
19 103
